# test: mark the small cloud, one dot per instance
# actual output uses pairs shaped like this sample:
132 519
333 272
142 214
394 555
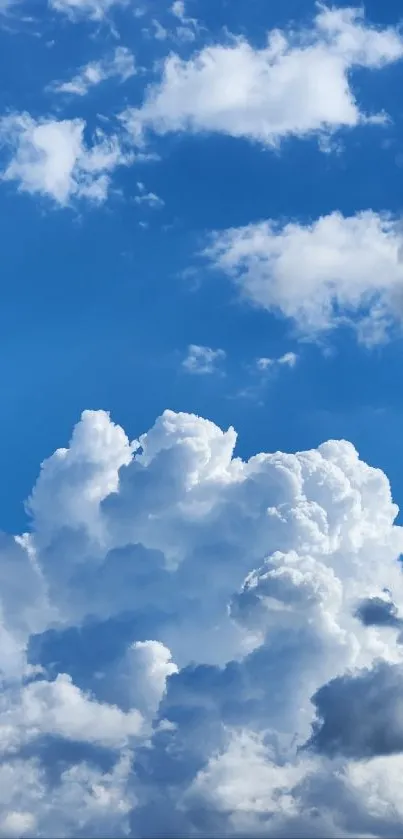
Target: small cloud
185 33
150 198
121 65
178 9
289 359
51 158
188 26
160 33
261 371
264 363
202 360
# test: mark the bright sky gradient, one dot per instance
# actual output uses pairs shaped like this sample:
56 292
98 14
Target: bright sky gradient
202 252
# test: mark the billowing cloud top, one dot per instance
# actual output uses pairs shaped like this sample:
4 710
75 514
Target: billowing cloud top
245 587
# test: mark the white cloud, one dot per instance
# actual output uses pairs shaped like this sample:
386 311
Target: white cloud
202 360
246 583
149 198
93 9
299 84
337 269
142 676
189 27
120 65
289 359
160 33
178 9
75 480
51 158
86 799
261 788
60 709
120 527
17 824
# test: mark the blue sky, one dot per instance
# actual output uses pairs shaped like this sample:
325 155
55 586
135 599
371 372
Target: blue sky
96 311
200 211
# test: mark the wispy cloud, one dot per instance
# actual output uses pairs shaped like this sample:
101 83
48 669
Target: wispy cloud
93 9
121 65
148 198
289 359
188 27
202 360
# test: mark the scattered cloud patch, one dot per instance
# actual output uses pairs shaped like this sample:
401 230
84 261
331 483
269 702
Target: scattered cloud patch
93 9
298 85
121 65
51 158
148 198
189 27
336 270
202 360
160 33
178 9
261 372
289 359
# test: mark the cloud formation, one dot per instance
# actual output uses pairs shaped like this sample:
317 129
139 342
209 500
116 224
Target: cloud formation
374 722
245 583
51 158
149 198
202 360
93 9
298 85
289 359
335 270
121 65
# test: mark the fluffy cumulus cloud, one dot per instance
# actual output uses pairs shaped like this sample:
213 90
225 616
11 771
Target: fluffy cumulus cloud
256 688
60 709
51 158
299 84
335 270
